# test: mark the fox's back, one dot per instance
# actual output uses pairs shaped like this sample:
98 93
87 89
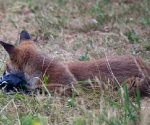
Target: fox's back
121 67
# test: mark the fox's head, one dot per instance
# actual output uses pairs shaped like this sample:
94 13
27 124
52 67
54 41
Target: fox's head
19 56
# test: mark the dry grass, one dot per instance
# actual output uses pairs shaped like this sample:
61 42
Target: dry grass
68 30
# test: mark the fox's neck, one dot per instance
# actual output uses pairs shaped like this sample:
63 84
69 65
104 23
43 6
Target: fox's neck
42 62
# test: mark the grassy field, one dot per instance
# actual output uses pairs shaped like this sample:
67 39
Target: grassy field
77 30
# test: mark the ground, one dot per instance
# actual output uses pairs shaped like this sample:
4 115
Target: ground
69 30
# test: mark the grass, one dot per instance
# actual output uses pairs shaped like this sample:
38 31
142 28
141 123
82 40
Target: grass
76 31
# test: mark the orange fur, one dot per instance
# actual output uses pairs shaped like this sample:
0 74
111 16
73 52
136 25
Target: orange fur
35 65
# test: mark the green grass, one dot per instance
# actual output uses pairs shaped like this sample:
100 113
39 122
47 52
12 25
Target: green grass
76 31
92 109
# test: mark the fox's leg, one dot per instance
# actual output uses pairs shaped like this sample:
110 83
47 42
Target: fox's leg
134 83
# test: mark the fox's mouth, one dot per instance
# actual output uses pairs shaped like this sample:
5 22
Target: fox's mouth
13 82
17 81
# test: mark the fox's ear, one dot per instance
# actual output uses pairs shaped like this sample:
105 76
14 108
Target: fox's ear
24 35
8 47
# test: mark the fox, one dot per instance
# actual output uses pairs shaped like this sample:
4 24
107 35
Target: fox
28 62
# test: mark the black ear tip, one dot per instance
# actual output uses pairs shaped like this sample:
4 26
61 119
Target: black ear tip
8 47
23 31
24 35
3 43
